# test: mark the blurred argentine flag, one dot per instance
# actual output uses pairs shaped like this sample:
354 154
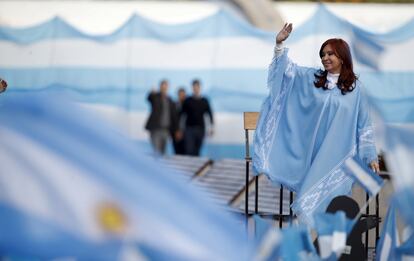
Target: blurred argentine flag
292 243
367 51
389 241
397 141
333 230
73 187
370 181
399 153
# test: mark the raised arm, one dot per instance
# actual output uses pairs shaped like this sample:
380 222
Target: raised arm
280 62
280 37
284 33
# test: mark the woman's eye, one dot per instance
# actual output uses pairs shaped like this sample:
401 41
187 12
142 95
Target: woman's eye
328 54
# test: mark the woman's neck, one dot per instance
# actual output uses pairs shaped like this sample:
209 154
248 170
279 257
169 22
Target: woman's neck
331 80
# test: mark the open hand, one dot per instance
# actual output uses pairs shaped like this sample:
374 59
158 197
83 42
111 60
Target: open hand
284 33
374 166
178 135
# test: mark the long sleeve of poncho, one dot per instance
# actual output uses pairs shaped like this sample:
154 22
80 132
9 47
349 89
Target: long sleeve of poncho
304 134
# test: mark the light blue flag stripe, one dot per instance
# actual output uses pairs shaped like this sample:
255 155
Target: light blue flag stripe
404 199
297 245
236 80
406 249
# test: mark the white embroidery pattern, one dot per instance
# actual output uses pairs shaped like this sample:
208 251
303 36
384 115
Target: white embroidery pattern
366 137
305 205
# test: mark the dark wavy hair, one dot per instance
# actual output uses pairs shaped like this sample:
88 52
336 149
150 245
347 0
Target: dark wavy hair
347 76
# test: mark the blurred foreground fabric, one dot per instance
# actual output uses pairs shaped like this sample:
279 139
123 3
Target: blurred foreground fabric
72 186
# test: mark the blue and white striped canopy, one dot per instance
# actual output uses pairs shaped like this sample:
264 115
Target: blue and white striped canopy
113 73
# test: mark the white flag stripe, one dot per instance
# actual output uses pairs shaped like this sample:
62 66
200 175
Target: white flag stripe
386 248
217 53
132 122
325 246
338 242
363 177
270 241
140 53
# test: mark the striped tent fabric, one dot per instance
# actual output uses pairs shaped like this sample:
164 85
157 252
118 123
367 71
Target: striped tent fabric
113 73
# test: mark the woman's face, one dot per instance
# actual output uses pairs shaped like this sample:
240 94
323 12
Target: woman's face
330 61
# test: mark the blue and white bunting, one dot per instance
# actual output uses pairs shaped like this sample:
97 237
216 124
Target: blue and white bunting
113 73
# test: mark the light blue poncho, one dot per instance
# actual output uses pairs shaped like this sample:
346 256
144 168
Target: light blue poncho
304 134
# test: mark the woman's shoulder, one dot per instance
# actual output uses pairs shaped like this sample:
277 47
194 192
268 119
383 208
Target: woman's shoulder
356 92
358 86
307 71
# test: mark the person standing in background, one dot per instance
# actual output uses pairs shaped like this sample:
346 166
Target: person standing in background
194 109
3 85
178 141
163 121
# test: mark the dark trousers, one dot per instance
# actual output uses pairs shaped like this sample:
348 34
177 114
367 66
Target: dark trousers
193 140
179 146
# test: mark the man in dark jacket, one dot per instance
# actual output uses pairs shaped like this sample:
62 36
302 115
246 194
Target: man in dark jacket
163 121
194 109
